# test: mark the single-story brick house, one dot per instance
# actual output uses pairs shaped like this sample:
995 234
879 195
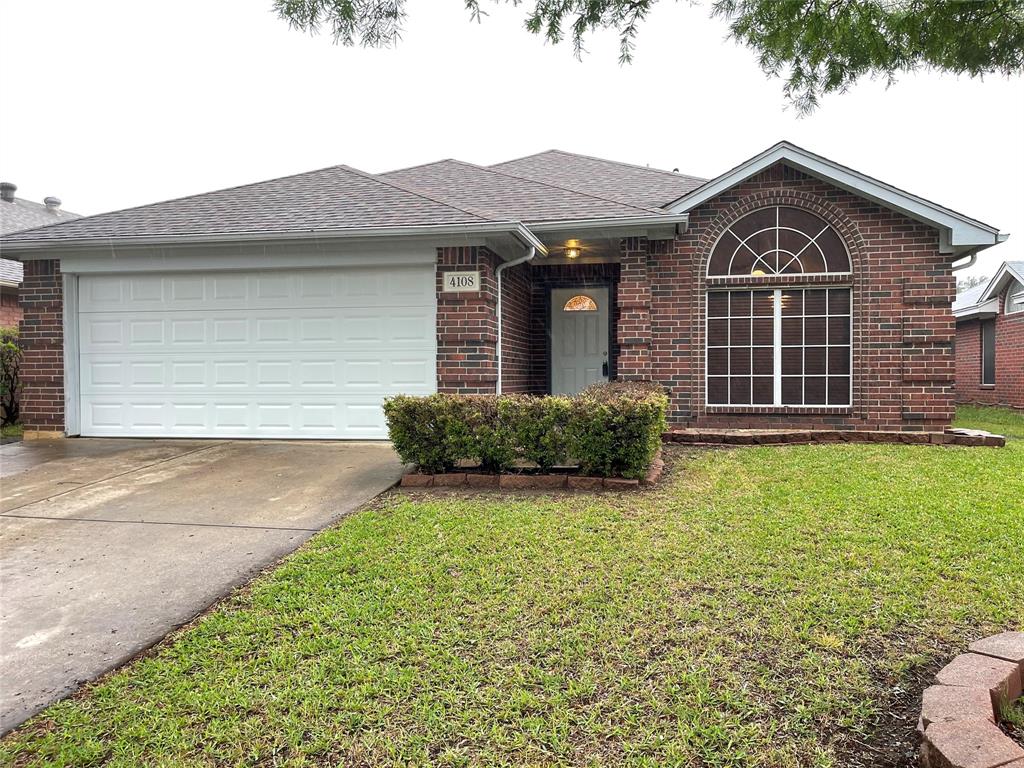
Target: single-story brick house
990 339
17 214
789 291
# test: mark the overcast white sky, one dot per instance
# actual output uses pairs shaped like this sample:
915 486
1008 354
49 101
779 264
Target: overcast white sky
115 103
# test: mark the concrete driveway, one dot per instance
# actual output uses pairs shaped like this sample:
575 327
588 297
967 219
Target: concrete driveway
107 545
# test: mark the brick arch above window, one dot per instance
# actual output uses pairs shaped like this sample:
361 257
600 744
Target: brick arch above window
779 240
784 197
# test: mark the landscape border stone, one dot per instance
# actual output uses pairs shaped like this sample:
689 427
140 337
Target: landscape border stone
960 712
952 436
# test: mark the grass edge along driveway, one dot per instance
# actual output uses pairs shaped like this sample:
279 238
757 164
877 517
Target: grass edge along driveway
763 606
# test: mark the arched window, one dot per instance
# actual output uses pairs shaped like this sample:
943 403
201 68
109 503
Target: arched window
779 343
580 303
778 241
1015 298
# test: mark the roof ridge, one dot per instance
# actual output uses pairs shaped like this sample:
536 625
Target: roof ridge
478 212
186 197
674 174
575 191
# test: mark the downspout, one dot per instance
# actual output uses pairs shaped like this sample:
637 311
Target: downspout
497 276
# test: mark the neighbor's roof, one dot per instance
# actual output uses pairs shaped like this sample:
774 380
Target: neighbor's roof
983 300
633 184
512 196
24 214
11 272
970 297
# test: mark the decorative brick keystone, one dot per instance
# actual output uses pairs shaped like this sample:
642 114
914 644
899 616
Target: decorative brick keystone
972 670
977 744
1008 646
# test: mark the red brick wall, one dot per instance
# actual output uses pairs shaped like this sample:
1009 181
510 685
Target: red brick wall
467 326
10 309
42 338
902 327
516 317
1009 386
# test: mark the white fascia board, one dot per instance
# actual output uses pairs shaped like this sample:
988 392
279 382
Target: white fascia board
980 310
1003 275
656 220
9 284
963 231
42 249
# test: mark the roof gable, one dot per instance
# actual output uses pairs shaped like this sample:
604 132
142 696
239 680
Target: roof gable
634 184
1008 272
961 235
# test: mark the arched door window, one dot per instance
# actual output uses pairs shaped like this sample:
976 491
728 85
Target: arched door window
580 303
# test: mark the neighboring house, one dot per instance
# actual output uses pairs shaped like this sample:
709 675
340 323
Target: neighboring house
17 214
990 339
789 291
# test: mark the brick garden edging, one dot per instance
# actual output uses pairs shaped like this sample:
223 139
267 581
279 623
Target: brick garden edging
953 436
533 482
959 713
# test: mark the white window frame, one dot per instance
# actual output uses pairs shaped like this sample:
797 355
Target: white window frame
777 348
1017 296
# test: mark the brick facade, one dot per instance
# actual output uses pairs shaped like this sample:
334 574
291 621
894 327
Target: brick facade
10 308
467 326
902 290
42 339
901 286
1009 386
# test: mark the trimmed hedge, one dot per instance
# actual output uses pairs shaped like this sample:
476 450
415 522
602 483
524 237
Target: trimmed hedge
610 430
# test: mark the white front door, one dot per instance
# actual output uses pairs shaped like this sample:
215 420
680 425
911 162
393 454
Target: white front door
579 339
278 354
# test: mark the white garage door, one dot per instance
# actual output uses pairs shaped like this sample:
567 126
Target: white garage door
302 354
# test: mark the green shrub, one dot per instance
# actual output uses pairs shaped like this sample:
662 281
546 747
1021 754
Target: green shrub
609 430
10 363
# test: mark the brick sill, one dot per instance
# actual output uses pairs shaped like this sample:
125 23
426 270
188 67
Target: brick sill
761 410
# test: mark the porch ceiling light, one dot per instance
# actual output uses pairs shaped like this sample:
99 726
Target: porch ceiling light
572 251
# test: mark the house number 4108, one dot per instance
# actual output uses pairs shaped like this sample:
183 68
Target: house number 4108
456 282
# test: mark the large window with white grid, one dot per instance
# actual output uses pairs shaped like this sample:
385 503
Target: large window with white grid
779 347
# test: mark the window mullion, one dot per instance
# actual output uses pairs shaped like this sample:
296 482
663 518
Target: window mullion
777 342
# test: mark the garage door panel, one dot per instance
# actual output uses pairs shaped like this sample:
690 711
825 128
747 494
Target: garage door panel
364 287
387 373
162 332
269 417
262 354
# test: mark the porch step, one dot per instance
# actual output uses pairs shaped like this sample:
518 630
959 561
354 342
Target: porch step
952 436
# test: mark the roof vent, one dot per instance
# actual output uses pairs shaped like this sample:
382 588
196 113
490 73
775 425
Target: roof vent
7 191
52 203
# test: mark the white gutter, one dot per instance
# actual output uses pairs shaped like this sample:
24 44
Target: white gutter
970 262
497 276
514 228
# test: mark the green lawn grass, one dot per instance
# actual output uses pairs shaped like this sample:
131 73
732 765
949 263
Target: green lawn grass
763 606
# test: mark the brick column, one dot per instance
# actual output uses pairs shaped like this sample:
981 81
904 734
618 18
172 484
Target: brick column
634 303
928 363
42 340
467 324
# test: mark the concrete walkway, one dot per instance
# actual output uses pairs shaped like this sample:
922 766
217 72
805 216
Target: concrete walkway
107 545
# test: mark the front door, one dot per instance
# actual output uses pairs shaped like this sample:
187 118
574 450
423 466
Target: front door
579 339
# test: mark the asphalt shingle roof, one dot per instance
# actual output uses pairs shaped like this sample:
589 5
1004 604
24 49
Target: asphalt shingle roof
24 214
970 297
332 198
511 196
635 184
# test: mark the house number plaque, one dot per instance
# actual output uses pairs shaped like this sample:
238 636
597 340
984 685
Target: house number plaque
458 282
